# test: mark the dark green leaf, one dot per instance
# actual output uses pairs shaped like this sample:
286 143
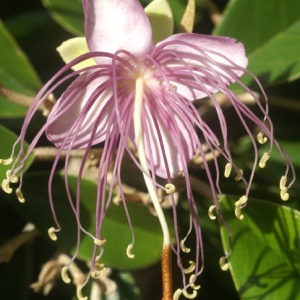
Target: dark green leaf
265 263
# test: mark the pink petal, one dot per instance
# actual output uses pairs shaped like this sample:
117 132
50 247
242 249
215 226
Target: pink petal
71 109
112 25
219 49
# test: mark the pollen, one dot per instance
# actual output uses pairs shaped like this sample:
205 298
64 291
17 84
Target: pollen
183 247
64 274
79 294
190 296
5 186
210 212
261 138
51 233
20 195
99 242
284 195
263 160
129 251
170 188
228 169
282 182
5 162
191 268
223 264
177 294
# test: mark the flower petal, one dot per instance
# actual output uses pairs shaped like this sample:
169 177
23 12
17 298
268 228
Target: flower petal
77 112
216 61
112 25
73 48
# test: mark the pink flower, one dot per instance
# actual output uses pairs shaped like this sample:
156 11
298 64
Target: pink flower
143 93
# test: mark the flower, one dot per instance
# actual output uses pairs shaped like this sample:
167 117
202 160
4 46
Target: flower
140 95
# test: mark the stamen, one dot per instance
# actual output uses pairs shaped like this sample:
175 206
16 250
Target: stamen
183 247
64 274
99 242
79 294
239 175
263 160
170 188
129 251
5 162
283 181
284 195
11 177
191 268
223 264
210 212
5 186
177 294
20 195
99 270
193 285
190 296
239 205
228 169
51 233
261 138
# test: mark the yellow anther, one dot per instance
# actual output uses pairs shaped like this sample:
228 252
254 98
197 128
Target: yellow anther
228 169
177 294
11 177
223 264
190 296
129 251
261 138
99 270
263 160
241 201
5 162
210 212
238 213
183 247
282 182
99 242
170 188
64 274
284 195
5 186
20 195
79 294
51 233
239 175
193 285
191 268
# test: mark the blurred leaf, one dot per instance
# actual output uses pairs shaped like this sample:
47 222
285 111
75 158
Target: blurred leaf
68 13
16 72
11 110
8 139
265 263
148 236
270 33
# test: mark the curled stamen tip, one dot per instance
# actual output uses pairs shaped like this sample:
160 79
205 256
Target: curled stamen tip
238 213
223 264
261 138
282 182
191 268
263 160
183 247
64 274
190 296
99 242
239 175
20 195
51 233
7 161
170 188
177 294
5 186
193 285
79 294
228 169
129 251
284 195
11 177
210 212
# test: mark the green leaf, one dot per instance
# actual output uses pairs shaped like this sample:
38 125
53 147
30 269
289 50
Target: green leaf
68 13
270 33
265 262
148 236
16 72
8 139
10 109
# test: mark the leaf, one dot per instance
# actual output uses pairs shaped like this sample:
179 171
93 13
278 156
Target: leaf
265 263
8 139
68 13
16 72
148 236
270 33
